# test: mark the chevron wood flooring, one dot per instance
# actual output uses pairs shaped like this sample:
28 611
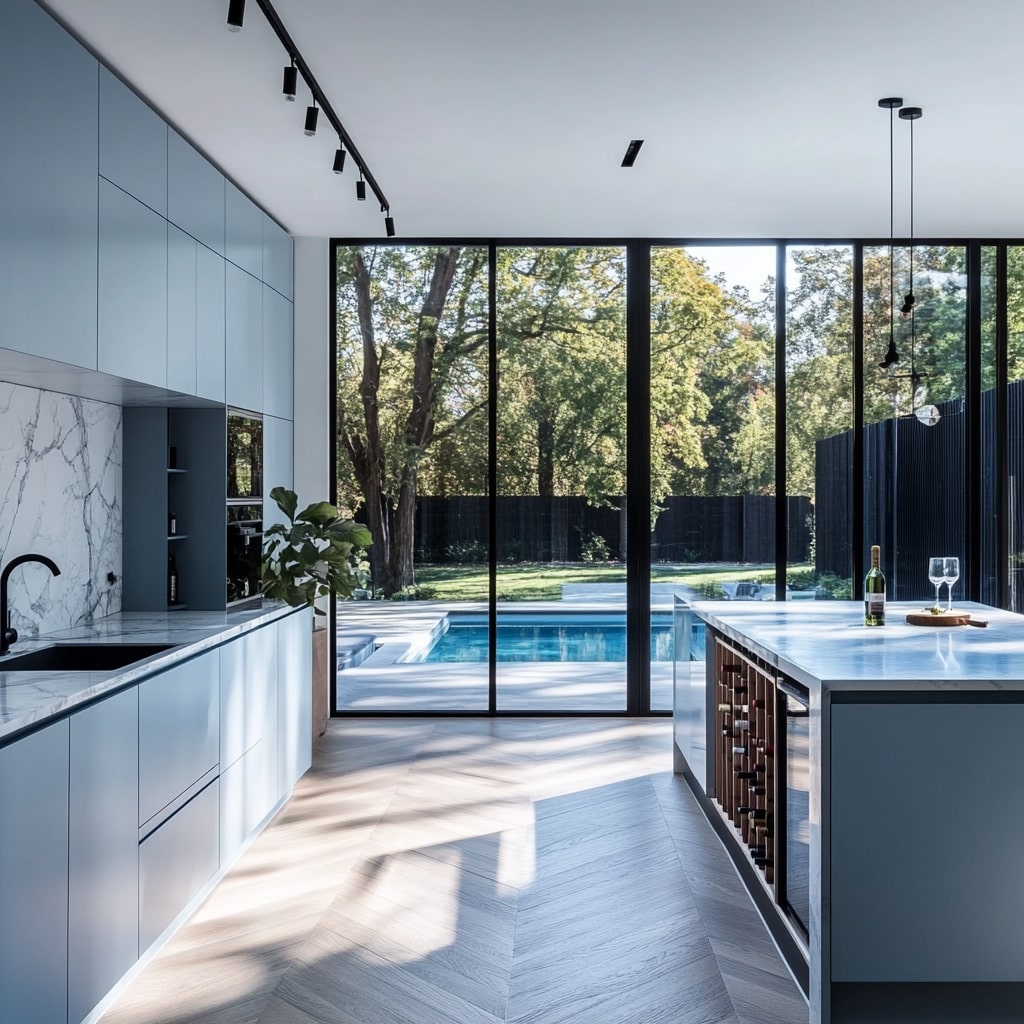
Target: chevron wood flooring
475 871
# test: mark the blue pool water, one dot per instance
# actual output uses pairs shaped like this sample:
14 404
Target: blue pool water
550 638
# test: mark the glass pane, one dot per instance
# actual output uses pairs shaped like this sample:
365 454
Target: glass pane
913 414
1015 433
561 479
712 431
990 441
819 421
412 464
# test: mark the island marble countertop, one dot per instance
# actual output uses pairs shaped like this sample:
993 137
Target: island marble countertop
826 644
30 698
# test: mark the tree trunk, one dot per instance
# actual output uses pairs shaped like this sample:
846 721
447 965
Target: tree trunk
545 457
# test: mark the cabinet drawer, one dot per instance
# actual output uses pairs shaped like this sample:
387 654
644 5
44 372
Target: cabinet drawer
179 731
176 861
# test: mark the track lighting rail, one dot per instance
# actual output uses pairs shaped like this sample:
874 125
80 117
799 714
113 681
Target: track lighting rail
320 100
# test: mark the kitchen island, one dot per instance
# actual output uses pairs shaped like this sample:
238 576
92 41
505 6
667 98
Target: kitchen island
866 783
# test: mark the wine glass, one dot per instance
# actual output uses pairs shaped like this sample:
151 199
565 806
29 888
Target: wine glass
952 574
937 575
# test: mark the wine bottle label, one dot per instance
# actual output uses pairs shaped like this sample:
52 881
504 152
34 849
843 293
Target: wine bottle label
876 604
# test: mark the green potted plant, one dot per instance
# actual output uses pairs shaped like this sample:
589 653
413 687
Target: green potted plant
305 561
313 555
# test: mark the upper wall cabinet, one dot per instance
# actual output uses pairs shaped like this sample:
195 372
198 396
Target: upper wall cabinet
48 165
132 288
277 257
133 143
243 339
209 324
278 369
195 193
243 231
181 311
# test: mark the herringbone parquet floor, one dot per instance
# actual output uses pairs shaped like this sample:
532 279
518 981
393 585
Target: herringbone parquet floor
473 871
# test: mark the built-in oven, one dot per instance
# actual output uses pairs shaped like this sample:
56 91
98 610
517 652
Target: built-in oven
245 457
794 896
245 552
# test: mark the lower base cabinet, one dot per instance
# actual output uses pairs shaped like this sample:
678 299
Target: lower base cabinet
34 877
176 861
117 817
103 898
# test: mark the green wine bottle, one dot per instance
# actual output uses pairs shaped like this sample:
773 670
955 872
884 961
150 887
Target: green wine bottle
874 591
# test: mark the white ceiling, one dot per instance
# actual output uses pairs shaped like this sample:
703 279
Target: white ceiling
499 118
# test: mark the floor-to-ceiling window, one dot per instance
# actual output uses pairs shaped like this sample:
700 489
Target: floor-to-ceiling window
914 412
712 407
819 420
561 444
412 459
498 578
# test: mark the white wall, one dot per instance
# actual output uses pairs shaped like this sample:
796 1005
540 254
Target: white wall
60 496
313 374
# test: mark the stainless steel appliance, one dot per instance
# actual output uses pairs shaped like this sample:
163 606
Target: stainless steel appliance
245 552
795 881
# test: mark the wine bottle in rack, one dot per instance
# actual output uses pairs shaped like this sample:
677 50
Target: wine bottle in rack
739 751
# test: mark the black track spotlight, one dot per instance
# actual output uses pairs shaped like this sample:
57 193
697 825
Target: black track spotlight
339 160
891 356
236 14
312 113
389 225
360 186
291 80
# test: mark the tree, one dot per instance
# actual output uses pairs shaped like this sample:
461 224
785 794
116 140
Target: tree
411 327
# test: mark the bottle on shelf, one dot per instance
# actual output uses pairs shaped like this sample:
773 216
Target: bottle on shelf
172 524
173 592
874 590
748 774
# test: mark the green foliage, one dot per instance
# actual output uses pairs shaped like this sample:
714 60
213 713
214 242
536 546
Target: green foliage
467 552
593 547
319 551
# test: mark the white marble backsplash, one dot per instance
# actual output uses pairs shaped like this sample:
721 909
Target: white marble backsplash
60 496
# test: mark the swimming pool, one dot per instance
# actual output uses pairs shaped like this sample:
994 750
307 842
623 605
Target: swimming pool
548 637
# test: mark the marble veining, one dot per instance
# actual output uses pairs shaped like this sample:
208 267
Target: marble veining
60 495
30 698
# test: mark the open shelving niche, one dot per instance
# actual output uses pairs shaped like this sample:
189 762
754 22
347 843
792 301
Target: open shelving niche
194 490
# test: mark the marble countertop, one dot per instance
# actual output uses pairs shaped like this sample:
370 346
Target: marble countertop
30 698
826 644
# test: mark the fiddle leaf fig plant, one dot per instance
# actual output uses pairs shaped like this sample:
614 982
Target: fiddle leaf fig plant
312 555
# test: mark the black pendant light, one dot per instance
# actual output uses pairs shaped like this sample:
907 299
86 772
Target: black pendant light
891 357
312 114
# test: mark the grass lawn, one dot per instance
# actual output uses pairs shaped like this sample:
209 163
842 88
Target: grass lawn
543 582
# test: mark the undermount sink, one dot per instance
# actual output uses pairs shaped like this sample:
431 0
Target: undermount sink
81 657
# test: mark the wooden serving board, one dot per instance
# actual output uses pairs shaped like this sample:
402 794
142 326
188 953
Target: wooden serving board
943 619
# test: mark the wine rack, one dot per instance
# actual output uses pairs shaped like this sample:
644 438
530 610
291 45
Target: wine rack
745 743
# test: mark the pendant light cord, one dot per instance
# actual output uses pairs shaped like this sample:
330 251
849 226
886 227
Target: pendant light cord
892 232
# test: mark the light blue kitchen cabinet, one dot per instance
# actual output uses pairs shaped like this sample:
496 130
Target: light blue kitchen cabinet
195 193
243 341
248 736
179 735
34 877
133 143
181 311
176 862
278 360
243 227
48 166
103 907
277 466
132 288
278 258
295 698
209 324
